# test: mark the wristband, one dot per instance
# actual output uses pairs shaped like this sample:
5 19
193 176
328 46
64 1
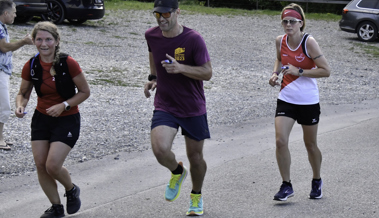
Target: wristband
151 77
277 73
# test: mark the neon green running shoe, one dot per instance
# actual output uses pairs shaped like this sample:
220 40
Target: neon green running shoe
175 184
196 205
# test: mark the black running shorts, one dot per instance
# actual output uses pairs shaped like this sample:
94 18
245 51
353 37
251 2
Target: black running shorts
64 129
303 114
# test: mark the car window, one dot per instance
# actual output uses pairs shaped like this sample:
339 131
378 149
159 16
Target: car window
368 4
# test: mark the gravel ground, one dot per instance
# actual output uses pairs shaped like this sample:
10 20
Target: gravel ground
113 54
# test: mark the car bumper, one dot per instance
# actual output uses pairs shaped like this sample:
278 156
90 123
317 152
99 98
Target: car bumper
347 26
31 9
90 13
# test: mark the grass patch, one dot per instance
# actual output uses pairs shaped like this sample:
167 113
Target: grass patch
90 43
128 5
196 9
114 77
113 83
367 49
120 37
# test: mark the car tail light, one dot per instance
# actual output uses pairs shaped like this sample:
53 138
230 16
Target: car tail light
345 11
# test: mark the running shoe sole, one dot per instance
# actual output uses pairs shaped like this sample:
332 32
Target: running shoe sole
192 213
283 199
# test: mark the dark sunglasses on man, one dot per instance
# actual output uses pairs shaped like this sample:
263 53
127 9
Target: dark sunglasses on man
164 15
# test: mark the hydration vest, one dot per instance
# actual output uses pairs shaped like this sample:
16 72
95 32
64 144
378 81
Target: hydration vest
63 81
306 35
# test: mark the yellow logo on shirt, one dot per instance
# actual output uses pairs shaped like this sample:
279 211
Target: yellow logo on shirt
179 54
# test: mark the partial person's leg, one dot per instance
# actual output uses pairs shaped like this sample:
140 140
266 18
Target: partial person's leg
161 141
198 166
315 159
314 153
3 145
48 184
54 164
162 138
49 160
5 108
2 142
283 127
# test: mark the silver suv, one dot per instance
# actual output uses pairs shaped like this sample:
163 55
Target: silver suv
361 17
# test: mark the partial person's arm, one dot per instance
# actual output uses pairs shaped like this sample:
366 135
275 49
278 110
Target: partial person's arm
83 93
151 85
203 72
153 69
323 69
13 46
23 97
273 81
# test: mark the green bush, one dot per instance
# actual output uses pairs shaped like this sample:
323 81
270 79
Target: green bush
262 5
244 4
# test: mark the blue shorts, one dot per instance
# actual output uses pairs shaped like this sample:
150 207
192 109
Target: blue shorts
194 127
64 129
304 114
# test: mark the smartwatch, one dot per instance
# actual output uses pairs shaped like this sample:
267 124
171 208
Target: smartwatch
66 106
151 77
301 72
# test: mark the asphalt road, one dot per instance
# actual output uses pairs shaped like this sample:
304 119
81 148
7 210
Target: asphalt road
242 175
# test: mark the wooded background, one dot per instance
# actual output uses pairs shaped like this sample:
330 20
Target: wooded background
312 6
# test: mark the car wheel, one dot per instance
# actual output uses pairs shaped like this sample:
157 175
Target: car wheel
23 19
77 21
55 12
367 31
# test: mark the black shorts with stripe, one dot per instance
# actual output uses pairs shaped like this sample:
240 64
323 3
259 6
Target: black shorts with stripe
303 114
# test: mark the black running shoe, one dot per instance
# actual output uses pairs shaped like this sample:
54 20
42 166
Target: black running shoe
285 192
316 192
73 200
55 211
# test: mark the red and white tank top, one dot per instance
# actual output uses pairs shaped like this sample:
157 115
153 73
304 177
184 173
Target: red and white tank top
294 89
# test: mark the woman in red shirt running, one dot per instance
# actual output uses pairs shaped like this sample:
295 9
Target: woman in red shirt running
55 124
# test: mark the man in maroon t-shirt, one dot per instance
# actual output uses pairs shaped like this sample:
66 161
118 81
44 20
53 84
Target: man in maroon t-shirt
179 62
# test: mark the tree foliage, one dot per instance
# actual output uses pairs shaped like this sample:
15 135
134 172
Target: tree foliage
263 5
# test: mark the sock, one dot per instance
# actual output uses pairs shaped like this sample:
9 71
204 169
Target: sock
178 170
196 193
318 180
71 189
288 183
